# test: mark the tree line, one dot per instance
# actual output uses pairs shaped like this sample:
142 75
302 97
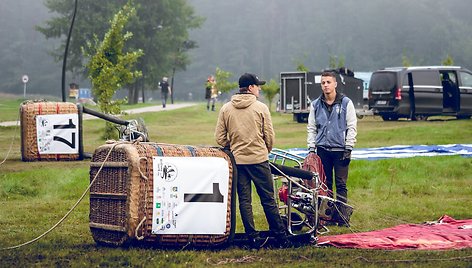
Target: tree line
188 40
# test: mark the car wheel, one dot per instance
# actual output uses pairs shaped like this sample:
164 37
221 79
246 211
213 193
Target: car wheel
463 117
385 118
389 117
420 117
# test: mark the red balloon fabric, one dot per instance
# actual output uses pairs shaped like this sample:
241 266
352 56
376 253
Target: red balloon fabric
444 234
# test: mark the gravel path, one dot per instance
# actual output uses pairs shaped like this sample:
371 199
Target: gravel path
157 108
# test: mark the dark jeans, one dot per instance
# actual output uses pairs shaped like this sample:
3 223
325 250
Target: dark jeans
334 160
164 98
262 177
212 101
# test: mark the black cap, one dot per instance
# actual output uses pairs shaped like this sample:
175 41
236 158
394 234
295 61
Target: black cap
248 79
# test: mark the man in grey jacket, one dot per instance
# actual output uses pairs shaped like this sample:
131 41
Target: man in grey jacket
245 126
332 130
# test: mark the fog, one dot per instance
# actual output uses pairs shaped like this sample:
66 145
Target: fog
265 37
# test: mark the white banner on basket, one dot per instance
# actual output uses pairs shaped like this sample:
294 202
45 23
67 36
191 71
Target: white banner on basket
190 195
58 133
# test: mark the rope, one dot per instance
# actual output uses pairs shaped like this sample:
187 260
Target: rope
70 211
12 138
344 219
244 259
141 237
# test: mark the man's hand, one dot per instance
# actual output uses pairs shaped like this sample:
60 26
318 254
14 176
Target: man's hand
347 154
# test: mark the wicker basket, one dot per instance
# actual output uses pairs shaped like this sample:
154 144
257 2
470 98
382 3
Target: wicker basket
121 196
29 110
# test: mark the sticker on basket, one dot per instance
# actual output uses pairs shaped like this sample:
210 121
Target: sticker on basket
190 195
57 133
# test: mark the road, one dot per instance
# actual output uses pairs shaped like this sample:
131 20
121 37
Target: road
157 108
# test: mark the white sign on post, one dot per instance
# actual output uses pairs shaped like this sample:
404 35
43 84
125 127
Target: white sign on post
58 133
25 80
190 195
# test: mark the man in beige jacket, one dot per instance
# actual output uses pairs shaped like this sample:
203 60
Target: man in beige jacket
245 126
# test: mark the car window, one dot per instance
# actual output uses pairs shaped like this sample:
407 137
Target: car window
383 81
466 79
425 78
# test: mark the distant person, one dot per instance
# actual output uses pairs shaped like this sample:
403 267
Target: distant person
332 131
211 92
208 91
245 127
165 90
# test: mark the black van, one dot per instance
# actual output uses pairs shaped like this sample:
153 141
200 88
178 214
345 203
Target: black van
419 92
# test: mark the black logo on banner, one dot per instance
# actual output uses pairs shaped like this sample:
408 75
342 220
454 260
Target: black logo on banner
215 197
167 171
61 139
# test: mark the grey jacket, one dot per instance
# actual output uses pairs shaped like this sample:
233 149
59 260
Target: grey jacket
332 127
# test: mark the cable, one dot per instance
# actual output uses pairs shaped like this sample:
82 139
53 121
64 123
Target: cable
12 139
73 207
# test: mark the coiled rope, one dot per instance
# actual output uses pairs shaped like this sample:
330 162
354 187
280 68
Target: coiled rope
73 207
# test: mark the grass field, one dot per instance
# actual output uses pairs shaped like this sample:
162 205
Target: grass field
35 195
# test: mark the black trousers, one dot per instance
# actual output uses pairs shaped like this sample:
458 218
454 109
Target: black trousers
164 98
262 177
333 160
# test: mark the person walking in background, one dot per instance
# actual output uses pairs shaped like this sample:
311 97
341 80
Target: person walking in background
208 86
211 92
332 131
245 127
165 90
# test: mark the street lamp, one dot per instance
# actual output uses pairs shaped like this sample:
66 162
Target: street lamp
64 61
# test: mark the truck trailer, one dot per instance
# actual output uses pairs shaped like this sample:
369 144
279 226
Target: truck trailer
299 89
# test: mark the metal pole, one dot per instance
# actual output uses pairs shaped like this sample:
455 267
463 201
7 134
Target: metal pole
107 117
142 88
24 91
64 61
172 87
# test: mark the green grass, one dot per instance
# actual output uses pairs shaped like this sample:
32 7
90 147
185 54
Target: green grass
35 195
10 108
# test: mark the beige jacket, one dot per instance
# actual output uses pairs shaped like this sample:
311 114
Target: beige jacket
245 125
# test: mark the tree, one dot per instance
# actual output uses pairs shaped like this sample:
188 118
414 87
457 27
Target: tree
406 61
448 61
332 61
302 68
159 27
222 83
180 62
110 67
335 62
270 90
